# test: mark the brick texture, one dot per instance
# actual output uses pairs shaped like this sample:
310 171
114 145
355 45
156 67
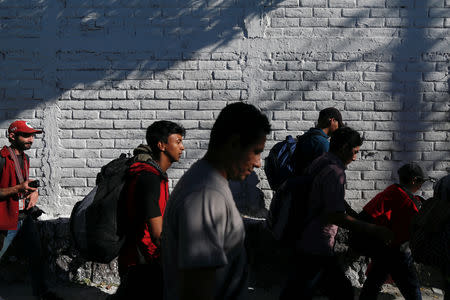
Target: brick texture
95 74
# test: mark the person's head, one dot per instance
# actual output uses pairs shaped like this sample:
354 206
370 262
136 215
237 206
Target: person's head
21 135
166 138
412 176
345 143
330 119
238 136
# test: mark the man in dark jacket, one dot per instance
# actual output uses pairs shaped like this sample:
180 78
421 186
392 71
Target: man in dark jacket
316 261
315 141
144 203
17 199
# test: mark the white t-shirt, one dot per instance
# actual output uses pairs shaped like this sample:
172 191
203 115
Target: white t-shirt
202 228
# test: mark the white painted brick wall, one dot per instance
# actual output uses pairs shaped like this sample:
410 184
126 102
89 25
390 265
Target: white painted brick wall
95 74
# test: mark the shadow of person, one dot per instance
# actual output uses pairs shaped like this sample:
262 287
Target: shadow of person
248 197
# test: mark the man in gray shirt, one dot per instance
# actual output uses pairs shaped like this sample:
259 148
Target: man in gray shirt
203 233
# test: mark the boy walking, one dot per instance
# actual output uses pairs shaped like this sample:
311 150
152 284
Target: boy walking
145 198
394 208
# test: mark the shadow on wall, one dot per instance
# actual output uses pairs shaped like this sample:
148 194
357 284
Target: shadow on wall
420 95
248 197
121 47
106 50
53 46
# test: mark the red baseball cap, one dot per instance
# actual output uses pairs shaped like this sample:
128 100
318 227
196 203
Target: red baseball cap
22 126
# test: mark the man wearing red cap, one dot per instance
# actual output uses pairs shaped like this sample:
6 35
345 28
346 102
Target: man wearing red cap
17 198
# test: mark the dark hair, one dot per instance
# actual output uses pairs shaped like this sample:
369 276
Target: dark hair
410 171
241 119
159 131
345 137
326 114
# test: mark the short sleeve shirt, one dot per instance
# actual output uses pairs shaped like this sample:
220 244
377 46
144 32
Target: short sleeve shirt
147 195
142 204
202 228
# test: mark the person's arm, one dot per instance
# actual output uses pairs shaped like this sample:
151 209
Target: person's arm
335 195
197 284
343 220
19 188
155 226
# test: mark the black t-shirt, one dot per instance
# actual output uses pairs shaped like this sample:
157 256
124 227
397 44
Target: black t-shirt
147 195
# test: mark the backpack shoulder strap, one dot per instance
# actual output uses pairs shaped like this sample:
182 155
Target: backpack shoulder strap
17 166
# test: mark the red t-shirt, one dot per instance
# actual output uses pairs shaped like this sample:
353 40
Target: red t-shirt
146 198
394 209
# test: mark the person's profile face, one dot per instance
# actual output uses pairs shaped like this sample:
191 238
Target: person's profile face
22 141
246 159
174 147
334 125
351 155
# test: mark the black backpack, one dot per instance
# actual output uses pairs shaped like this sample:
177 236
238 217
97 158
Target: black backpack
94 221
289 211
286 216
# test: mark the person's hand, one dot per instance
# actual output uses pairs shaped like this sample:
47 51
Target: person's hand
33 197
25 188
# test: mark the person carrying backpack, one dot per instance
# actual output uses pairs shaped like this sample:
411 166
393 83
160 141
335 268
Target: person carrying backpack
394 208
285 167
143 204
315 260
292 156
315 141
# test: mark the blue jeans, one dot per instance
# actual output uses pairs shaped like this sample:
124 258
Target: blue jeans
10 235
399 264
310 271
27 241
